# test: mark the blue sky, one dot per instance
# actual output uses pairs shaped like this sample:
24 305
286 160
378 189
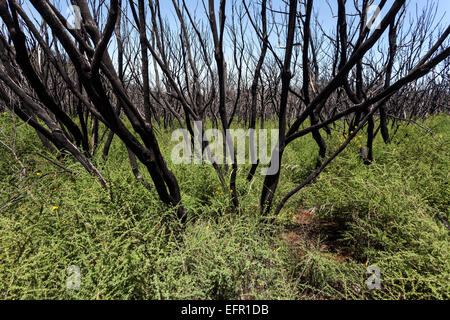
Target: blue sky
324 11
322 8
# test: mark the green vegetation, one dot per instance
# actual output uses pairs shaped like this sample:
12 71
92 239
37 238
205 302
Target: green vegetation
129 246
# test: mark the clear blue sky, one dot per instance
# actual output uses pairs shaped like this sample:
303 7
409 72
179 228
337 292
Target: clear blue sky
324 10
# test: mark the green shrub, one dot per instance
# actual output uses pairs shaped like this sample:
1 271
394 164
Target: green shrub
129 245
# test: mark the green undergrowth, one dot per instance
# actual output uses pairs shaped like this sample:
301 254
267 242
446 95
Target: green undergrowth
128 245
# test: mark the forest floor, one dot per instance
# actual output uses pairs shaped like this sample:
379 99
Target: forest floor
320 246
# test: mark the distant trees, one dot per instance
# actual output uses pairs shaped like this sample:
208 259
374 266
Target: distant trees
127 61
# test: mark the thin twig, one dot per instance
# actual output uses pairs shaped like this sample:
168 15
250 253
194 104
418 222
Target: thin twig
54 162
